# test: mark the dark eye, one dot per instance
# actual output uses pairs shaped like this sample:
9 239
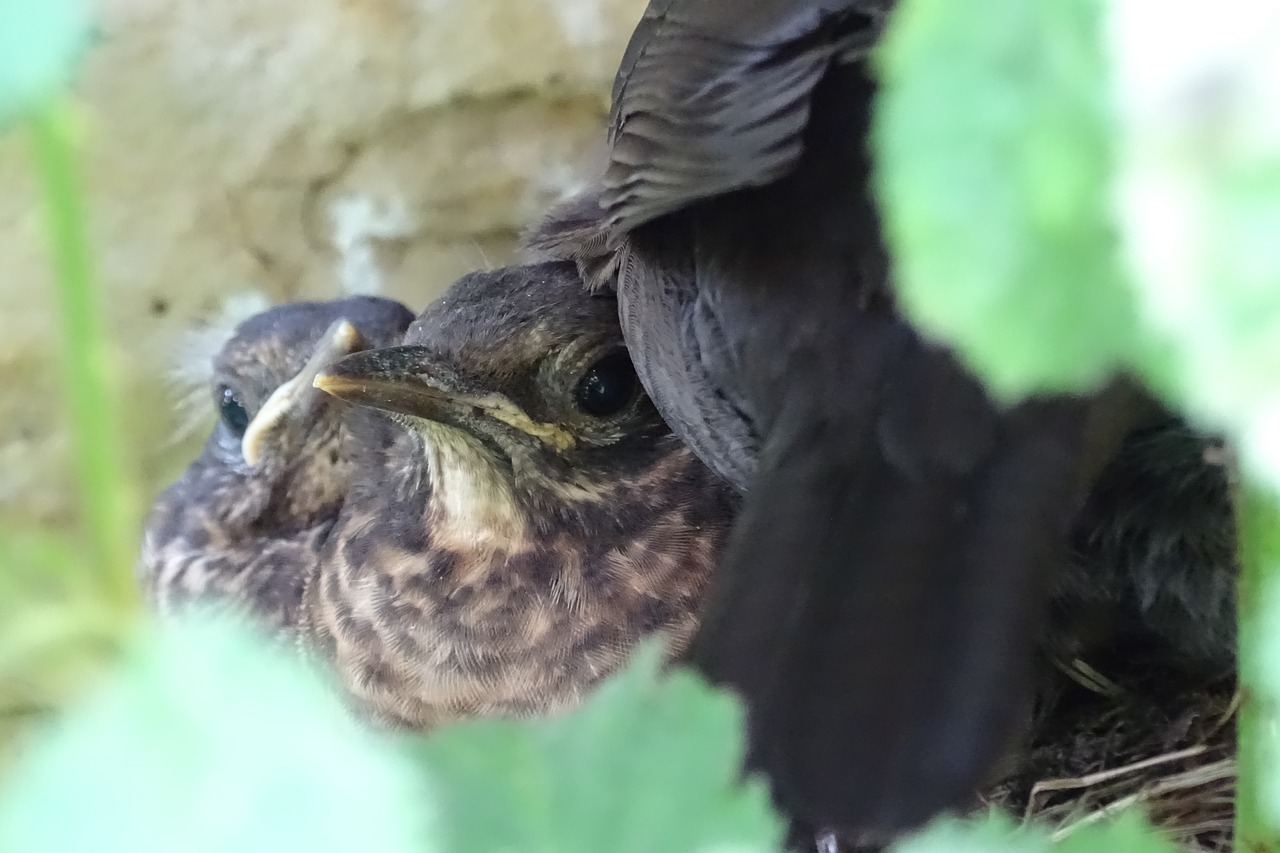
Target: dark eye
608 387
232 412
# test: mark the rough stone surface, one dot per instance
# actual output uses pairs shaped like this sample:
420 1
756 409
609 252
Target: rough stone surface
292 150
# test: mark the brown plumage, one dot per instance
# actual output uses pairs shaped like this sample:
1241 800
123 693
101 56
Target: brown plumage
242 526
523 516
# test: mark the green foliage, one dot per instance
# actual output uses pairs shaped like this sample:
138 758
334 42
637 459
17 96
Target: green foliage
994 160
40 43
997 834
109 499
207 741
1198 195
1067 193
651 763
57 630
65 606
1062 205
1128 833
1258 784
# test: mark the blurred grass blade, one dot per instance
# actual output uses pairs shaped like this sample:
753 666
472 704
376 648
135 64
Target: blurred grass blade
109 499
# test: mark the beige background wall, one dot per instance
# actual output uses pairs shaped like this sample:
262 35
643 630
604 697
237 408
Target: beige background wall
280 149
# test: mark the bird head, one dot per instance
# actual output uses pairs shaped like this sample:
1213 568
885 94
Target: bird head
278 441
525 516
238 526
518 387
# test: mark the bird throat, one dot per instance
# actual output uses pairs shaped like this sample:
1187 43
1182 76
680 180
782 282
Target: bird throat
472 504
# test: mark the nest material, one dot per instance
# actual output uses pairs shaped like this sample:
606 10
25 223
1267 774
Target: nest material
1154 741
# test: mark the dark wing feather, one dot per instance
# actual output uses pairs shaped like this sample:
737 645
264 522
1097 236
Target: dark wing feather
707 102
704 103
681 352
879 603
575 230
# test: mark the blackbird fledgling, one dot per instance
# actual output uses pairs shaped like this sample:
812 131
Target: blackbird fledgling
242 525
1155 556
523 516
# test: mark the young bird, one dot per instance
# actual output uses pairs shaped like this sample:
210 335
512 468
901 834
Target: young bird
1155 554
242 526
523 517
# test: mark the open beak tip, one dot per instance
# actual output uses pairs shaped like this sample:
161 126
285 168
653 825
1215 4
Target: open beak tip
329 382
347 336
338 382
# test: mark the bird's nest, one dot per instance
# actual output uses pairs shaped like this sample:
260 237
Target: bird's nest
1158 743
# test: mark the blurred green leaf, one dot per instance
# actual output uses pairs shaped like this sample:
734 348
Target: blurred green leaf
651 763
1199 206
41 42
993 834
994 158
208 741
57 630
1258 719
1128 833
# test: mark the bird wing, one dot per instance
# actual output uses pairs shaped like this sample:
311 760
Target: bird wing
879 605
880 601
713 96
575 230
681 352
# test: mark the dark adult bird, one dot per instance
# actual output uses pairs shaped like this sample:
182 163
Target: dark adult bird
883 588
523 516
241 527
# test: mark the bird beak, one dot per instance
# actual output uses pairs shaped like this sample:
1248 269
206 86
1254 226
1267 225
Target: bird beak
298 399
410 380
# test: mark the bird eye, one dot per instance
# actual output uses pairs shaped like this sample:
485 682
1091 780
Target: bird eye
232 412
608 387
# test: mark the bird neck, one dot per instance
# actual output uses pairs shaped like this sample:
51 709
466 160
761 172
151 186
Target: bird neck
471 500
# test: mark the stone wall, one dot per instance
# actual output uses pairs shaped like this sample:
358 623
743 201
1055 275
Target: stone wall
271 150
